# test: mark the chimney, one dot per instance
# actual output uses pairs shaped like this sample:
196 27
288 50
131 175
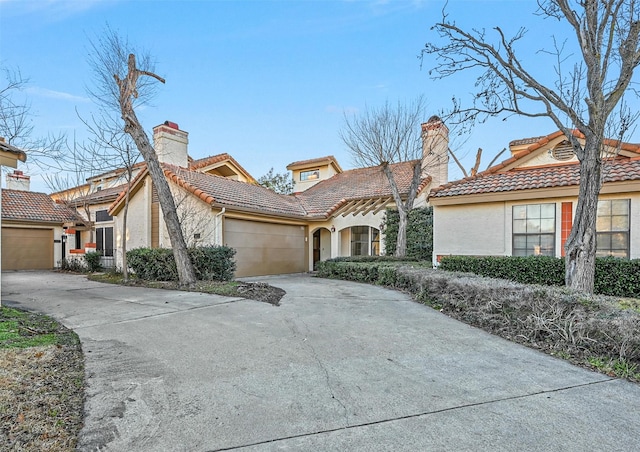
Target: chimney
18 181
435 151
170 144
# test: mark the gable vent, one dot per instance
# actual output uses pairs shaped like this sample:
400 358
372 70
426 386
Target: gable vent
563 151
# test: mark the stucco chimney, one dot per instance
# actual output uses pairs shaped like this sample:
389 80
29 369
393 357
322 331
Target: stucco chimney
435 150
170 144
18 181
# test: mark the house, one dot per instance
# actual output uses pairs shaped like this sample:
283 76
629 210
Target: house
526 204
32 230
332 212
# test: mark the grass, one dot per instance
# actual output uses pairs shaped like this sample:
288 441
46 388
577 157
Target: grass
224 288
41 383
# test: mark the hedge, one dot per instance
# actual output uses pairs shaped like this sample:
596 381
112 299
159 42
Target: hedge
419 232
616 277
211 263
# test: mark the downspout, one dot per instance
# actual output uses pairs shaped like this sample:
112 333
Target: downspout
219 231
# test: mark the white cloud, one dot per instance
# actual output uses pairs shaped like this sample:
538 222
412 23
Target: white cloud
59 95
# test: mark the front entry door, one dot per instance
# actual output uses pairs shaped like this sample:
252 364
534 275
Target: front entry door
316 248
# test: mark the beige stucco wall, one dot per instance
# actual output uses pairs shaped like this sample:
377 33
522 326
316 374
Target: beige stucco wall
470 230
485 229
138 233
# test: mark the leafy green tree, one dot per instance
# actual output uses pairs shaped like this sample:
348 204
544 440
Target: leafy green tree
279 182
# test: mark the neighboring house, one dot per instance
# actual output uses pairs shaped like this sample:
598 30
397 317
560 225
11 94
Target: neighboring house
32 230
526 204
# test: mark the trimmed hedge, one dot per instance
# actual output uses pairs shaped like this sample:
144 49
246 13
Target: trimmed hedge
419 232
615 277
211 263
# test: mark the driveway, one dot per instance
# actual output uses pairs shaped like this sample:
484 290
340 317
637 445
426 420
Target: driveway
338 366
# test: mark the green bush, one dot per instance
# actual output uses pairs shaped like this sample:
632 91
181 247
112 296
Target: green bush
92 260
419 232
616 277
211 263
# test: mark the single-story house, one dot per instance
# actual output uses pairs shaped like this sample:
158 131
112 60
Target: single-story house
526 204
32 230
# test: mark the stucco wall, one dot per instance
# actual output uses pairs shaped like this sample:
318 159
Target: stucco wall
486 229
470 230
138 232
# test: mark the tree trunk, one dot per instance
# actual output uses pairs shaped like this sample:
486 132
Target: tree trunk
128 91
580 248
186 273
401 242
125 265
403 208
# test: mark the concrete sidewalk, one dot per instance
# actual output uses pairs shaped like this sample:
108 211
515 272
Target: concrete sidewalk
338 366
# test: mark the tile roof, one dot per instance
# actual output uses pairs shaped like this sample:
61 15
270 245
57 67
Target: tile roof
206 161
106 195
31 206
18 153
536 177
316 161
319 201
222 191
328 195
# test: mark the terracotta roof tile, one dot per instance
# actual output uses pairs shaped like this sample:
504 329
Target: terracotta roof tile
32 206
206 161
318 160
537 177
327 195
231 193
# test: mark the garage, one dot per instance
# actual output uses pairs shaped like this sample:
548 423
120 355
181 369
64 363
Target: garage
27 249
266 248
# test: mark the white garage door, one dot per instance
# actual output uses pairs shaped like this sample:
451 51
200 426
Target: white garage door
265 248
27 249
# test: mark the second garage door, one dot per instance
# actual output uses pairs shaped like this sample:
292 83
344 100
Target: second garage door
27 249
265 248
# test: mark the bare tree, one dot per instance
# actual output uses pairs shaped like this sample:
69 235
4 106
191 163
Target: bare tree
587 94
16 125
121 83
385 135
116 150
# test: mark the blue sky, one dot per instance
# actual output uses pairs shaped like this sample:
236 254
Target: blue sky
266 81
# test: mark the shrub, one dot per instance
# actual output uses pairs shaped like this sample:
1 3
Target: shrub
158 264
73 264
213 263
419 232
92 260
616 277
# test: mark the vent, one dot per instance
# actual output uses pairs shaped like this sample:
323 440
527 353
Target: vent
563 151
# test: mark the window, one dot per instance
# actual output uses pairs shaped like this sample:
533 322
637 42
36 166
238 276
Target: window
310 175
612 228
104 241
375 242
103 215
365 241
360 241
534 230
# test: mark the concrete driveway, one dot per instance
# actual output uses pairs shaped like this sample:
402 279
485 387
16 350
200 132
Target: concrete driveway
338 366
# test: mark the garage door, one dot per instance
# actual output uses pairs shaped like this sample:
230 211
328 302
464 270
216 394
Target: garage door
27 249
264 248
